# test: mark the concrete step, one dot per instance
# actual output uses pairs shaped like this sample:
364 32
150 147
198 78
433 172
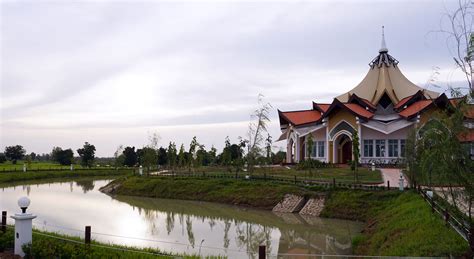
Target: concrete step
290 204
313 207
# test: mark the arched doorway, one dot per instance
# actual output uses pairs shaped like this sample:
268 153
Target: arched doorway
343 149
346 152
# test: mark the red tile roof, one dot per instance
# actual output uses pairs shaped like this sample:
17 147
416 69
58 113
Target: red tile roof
302 117
359 110
467 136
324 106
470 111
368 103
415 108
402 102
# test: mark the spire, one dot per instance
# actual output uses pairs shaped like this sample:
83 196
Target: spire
384 46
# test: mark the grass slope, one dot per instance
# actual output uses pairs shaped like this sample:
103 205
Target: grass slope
54 245
257 194
398 224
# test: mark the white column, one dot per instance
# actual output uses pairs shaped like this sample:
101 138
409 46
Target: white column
288 150
327 140
297 149
359 131
23 226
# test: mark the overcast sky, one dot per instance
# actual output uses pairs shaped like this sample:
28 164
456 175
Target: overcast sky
113 72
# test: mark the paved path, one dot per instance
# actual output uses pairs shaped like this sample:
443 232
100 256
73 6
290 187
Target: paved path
392 175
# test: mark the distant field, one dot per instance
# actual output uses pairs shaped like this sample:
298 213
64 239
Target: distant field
8 166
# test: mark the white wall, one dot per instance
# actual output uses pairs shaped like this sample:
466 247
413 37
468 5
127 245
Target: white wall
320 135
367 133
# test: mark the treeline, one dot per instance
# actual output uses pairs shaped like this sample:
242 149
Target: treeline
59 155
196 155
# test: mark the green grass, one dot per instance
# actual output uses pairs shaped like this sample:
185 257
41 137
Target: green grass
32 177
9 166
54 245
37 165
398 224
257 194
342 175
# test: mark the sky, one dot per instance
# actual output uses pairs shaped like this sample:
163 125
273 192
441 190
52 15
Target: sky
115 72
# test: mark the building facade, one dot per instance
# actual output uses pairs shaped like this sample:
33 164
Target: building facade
382 109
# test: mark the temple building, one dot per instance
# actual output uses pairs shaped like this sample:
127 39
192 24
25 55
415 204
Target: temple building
382 109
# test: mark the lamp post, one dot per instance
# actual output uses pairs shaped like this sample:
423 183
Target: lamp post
401 182
23 226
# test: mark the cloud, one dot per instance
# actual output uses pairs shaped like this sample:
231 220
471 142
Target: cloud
111 71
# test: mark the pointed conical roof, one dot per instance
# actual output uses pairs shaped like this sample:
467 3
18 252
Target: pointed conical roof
384 77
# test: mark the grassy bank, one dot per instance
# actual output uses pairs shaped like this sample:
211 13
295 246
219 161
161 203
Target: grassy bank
342 175
256 194
53 245
16 177
398 224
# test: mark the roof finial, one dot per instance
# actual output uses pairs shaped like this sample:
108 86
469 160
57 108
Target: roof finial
384 46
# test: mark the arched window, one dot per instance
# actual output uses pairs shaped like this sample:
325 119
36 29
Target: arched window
341 126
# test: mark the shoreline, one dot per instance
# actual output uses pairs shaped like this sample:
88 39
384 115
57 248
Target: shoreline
380 211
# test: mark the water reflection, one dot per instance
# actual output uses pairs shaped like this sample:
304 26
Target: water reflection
280 232
179 226
86 185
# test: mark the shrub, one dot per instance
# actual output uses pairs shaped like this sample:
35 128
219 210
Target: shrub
312 164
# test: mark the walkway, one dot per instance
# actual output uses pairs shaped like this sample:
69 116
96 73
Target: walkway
392 175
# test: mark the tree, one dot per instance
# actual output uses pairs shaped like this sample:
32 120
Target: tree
356 155
256 130
55 153
182 157
201 156
149 157
444 158
119 158
192 152
150 152
412 158
130 156
226 157
3 158
162 156
268 149
171 154
87 154
460 38
63 157
212 154
14 153
279 157
33 155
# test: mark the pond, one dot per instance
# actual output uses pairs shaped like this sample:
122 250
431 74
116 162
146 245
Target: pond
177 226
